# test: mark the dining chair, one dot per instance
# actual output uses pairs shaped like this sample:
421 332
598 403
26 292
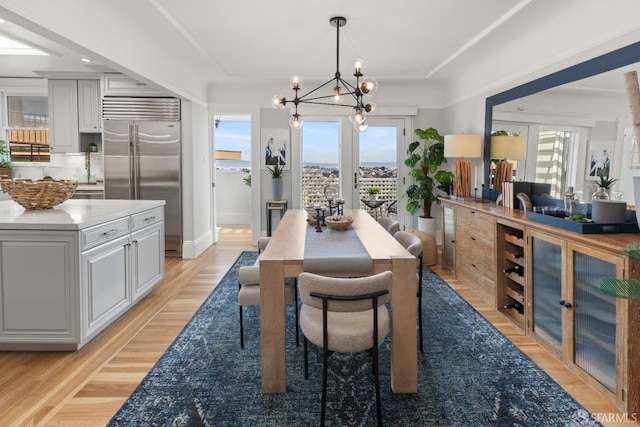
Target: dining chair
344 315
387 222
413 245
249 290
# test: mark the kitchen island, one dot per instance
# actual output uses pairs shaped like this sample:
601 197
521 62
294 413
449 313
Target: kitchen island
68 272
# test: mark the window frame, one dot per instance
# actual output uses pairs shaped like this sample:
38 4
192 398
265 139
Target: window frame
4 113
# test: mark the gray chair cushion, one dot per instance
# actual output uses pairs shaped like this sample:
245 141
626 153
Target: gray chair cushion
350 332
349 323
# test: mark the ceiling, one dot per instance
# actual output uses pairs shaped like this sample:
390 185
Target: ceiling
213 42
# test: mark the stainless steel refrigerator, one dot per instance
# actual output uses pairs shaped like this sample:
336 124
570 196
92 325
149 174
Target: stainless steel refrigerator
142 158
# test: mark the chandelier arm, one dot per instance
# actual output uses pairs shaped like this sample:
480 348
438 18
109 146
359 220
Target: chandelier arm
326 103
301 98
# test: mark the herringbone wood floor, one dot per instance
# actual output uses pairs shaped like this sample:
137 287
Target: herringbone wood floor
87 387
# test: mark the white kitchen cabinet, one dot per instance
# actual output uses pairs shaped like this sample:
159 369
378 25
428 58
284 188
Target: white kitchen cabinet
89 117
147 256
38 302
105 284
115 84
69 272
63 116
74 108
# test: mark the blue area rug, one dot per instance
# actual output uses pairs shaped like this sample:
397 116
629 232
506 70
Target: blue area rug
469 375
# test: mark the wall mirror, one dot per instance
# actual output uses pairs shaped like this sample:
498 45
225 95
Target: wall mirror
575 122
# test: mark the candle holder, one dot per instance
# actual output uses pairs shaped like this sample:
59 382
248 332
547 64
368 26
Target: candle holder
320 215
337 204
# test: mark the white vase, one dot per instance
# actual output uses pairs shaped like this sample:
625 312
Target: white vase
276 184
428 225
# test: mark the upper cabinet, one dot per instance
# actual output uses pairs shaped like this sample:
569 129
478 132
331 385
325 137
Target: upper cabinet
89 117
114 84
63 116
74 108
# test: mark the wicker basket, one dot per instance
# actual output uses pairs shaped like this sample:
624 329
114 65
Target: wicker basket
41 194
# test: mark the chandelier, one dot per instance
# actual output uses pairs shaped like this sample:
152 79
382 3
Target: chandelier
341 93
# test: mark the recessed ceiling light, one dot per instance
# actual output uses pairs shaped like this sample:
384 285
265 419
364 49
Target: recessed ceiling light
2 21
85 60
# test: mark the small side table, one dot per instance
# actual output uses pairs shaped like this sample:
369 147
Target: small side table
374 205
275 205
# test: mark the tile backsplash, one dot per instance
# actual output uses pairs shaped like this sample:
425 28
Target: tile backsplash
62 166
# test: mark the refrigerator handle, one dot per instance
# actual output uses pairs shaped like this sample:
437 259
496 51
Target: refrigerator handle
133 167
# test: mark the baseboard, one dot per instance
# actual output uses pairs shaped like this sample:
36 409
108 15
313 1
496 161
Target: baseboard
193 248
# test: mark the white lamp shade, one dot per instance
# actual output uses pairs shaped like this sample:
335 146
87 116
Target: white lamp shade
463 145
508 147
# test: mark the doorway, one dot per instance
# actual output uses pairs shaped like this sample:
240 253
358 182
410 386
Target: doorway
232 171
341 163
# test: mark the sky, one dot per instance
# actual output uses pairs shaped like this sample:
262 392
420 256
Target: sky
320 141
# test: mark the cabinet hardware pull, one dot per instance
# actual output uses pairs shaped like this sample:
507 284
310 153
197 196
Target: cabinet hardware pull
149 218
113 230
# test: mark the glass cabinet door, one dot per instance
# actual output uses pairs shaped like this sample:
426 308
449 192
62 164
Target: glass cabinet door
547 255
594 314
448 238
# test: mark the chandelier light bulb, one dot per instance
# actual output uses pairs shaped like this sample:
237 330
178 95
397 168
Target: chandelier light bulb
278 102
336 94
295 121
371 108
361 127
296 82
358 65
368 86
356 116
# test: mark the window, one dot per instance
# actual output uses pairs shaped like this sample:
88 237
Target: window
233 144
27 128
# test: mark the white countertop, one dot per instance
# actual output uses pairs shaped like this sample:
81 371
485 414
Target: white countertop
70 215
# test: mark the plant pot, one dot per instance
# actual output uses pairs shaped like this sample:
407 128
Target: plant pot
427 225
276 187
373 197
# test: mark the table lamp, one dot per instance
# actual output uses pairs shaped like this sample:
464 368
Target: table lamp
505 147
462 145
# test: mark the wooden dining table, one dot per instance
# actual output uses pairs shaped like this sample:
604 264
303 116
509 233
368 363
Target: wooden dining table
284 258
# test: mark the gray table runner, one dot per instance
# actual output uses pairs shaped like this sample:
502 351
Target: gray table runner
335 251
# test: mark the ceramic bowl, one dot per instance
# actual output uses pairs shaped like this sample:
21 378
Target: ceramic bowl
339 222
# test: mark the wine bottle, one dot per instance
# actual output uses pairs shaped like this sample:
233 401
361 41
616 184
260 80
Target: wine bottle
516 306
516 269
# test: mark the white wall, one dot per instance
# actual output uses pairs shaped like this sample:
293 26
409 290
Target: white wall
196 180
233 198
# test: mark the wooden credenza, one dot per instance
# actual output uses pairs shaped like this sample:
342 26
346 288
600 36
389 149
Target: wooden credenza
546 281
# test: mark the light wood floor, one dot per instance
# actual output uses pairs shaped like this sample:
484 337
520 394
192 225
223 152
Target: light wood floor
86 388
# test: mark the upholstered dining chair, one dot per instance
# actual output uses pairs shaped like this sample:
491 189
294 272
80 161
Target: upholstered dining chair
249 290
387 222
344 315
413 245
394 228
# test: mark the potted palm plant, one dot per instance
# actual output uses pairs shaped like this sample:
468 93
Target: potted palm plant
5 162
425 157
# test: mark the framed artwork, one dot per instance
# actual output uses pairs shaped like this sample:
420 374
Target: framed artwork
275 148
599 158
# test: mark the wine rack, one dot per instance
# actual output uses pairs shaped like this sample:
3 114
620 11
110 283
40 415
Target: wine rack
512 280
